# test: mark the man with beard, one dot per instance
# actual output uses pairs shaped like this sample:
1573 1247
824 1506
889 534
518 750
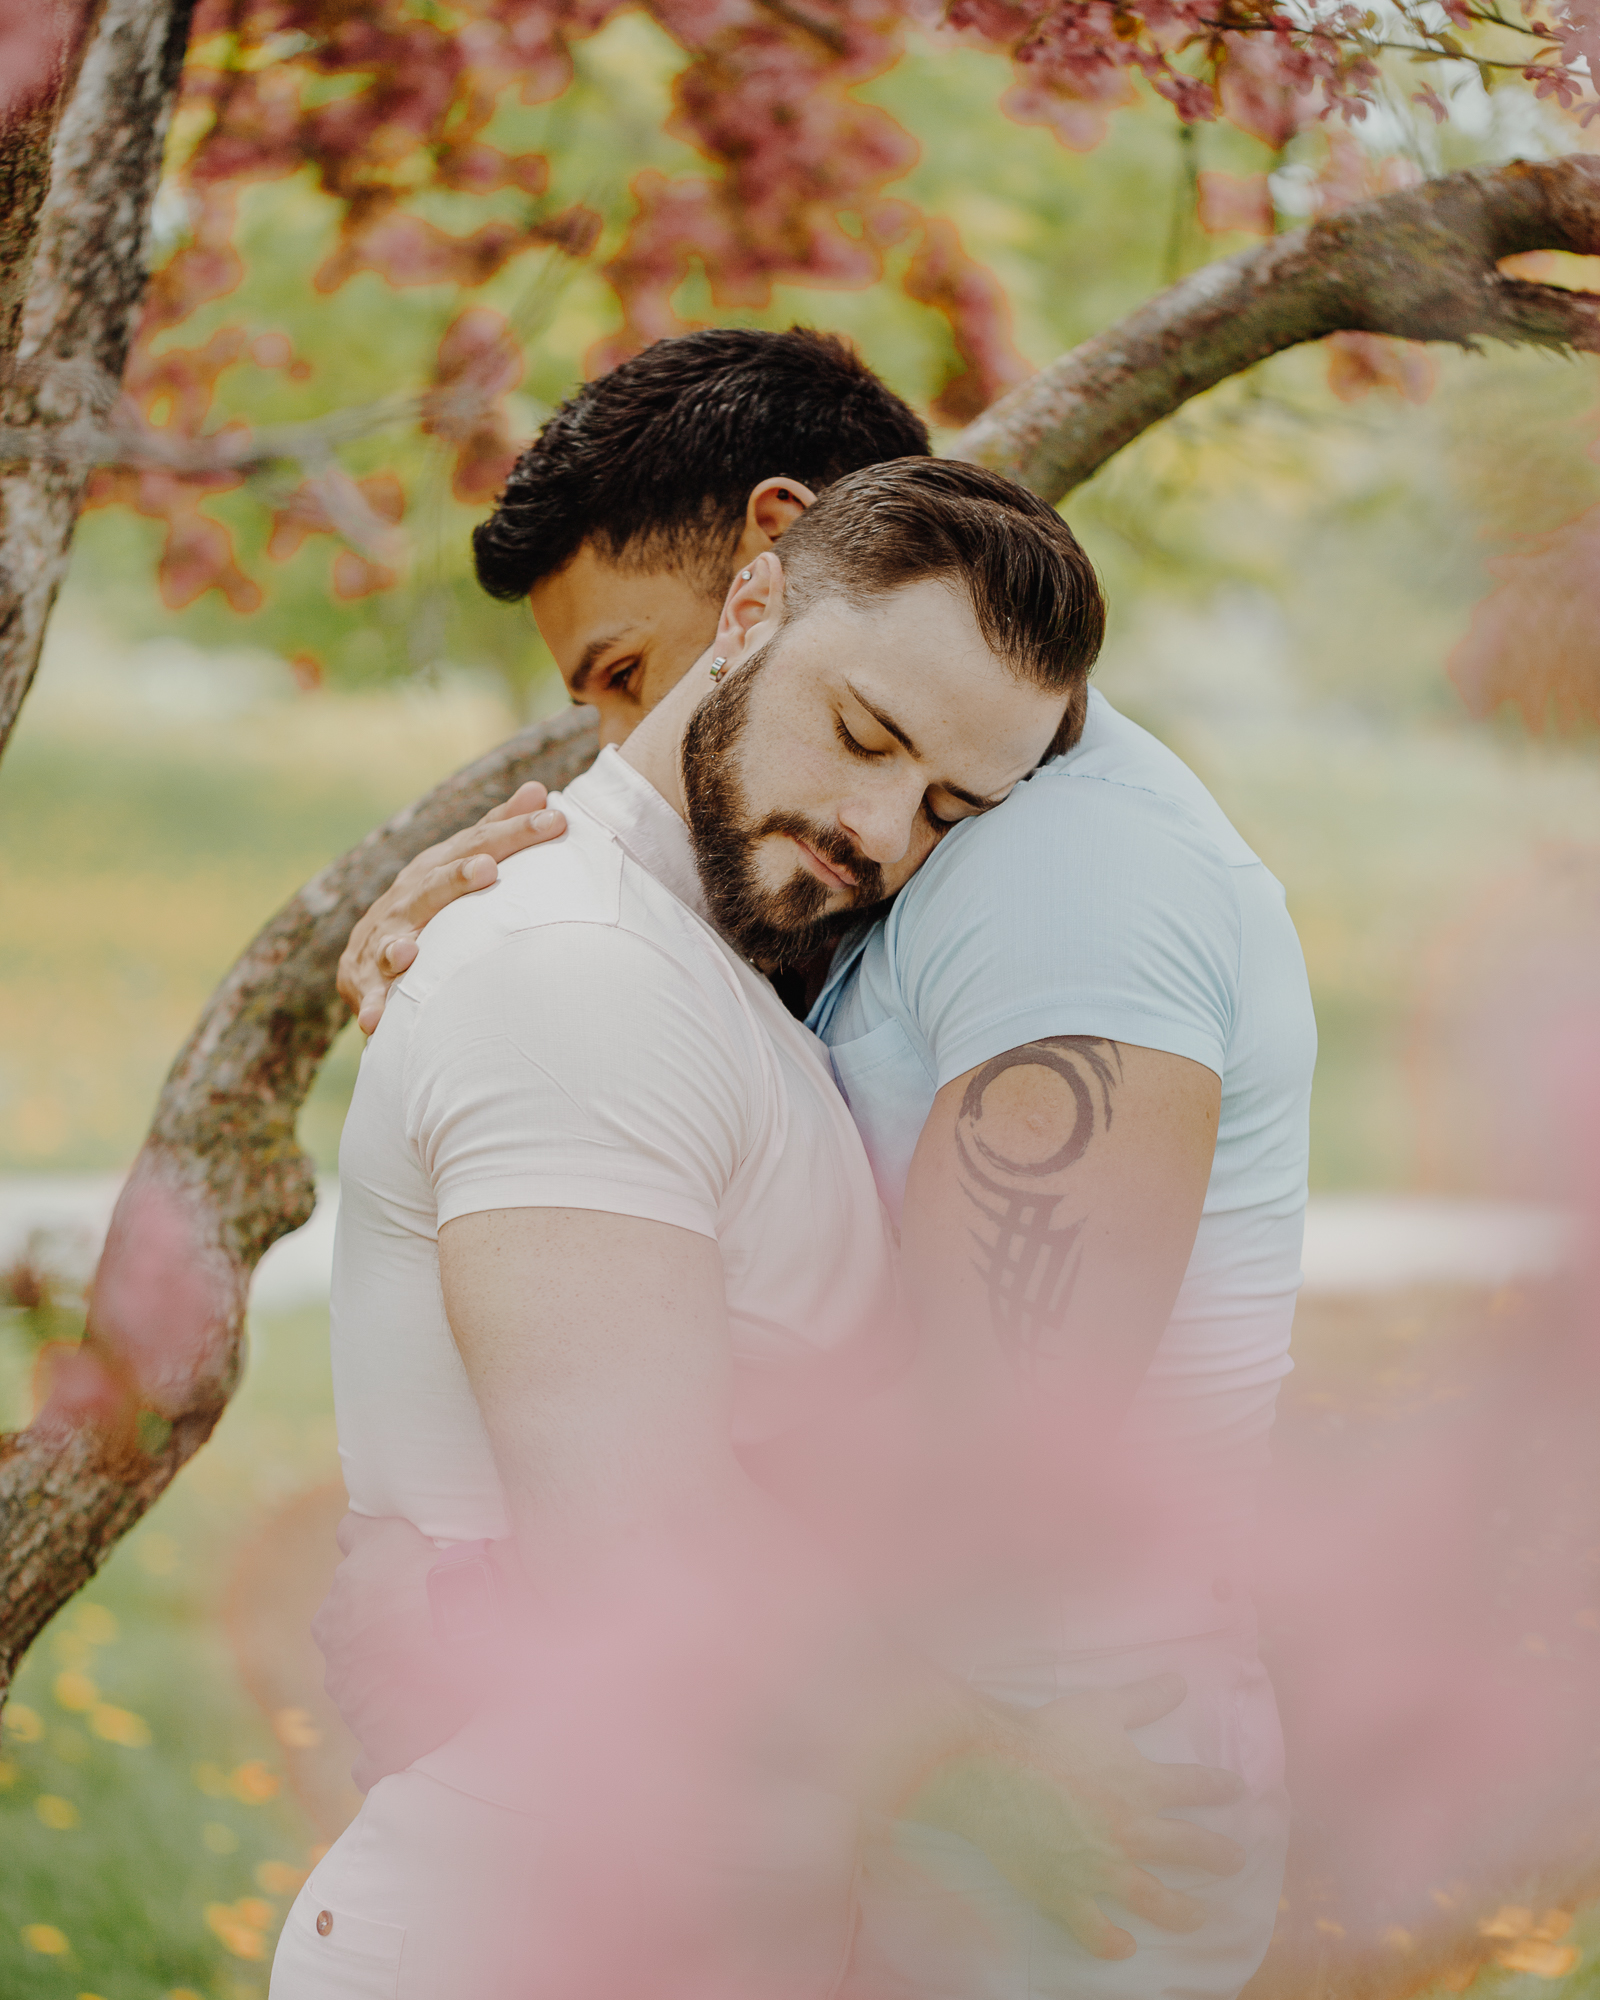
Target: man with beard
608 1234
1079 1052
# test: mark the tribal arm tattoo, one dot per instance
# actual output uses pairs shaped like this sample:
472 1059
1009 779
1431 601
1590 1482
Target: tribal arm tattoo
1025 1250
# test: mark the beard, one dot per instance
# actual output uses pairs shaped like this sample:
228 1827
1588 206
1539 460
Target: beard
773 928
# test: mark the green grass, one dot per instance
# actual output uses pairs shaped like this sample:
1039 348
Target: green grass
198 1817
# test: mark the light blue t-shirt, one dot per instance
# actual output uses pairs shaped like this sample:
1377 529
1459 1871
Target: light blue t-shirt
1110 896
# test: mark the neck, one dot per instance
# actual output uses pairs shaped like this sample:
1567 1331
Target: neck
655 749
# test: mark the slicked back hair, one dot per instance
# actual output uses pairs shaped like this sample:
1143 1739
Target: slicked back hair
655 461
1033 591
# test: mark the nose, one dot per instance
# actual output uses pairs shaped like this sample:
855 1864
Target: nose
882 819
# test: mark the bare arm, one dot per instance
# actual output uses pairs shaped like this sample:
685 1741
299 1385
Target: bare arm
597 1346
1051 1211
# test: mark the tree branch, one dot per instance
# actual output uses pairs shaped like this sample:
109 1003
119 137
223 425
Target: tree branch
219 1179
1419 265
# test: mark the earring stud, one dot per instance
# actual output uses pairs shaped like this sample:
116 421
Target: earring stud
718 667
745 574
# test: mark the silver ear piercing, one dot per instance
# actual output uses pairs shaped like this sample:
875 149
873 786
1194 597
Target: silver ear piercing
718 667
745 574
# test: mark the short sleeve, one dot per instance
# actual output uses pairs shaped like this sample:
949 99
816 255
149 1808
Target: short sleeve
578 1066
1102 910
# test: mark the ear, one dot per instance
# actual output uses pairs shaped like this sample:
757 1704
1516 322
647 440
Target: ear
753 608
774 505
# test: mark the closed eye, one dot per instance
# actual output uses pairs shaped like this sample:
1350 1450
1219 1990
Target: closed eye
856 749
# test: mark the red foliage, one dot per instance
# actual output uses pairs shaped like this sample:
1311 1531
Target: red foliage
478 362
1535 640
1359 362
796 186
943 276
1229 202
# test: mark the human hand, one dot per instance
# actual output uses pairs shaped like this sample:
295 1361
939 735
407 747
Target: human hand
1069 1809
401 1691
384 941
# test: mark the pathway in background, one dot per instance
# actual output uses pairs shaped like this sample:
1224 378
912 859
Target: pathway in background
1354 1242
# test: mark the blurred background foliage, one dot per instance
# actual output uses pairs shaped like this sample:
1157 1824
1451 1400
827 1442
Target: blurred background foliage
1288 571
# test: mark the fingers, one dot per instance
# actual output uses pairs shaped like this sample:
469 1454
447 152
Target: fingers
1090 1925
503 836
353 1530
1179 1843
441 886
1155 1902
529 798
1148 1701
396 954
1171 1785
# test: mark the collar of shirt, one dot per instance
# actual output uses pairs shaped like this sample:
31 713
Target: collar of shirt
644 826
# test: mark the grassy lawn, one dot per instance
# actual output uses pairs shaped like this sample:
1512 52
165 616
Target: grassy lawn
149 1837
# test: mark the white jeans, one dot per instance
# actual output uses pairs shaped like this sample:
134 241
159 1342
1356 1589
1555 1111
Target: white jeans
433 1894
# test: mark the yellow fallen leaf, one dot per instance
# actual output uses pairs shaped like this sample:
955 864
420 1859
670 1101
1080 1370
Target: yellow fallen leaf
45 1939
254 1911
243 1939
8 1775
56 1813
75 1691
22 1722
253 1783
1544 1961
278 1878
119 1725
96 1624
295 1730
1511 1920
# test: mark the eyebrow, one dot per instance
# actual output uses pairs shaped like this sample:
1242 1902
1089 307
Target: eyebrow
888 722
591 653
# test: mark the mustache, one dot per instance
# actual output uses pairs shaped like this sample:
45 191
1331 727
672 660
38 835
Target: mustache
834 847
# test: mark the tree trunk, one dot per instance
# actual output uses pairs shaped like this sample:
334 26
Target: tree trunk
220 1177
84 281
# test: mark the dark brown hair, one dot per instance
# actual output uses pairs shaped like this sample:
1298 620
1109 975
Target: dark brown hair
1033 591
655 461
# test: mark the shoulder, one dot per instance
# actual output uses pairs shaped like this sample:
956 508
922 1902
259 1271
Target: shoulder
1086 847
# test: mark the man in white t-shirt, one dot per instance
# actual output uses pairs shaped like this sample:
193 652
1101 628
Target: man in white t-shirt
608 1236
1079 1052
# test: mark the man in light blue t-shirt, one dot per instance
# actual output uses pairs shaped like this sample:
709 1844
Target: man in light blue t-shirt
1079 1051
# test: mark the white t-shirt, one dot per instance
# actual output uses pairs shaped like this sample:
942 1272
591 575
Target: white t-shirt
579 1037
